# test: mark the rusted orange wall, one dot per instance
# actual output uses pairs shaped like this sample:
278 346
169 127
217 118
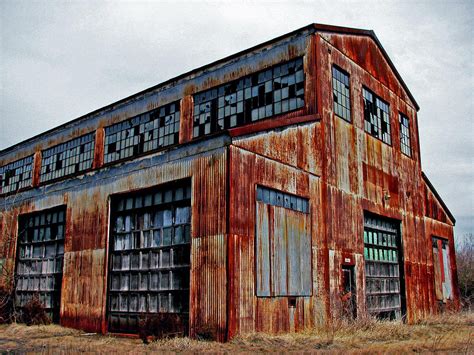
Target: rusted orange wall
83 298
359 170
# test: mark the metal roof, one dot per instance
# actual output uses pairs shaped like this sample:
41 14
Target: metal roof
312 28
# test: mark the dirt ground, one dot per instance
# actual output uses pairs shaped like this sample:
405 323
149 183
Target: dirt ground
446 334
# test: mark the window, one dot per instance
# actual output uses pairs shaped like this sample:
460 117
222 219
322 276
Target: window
254 97
376 116
383 282
442 269
149 269
341 93
16 175
39 265
67 158
144 133
283 244
405 143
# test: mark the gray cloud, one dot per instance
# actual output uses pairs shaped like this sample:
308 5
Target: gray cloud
60 60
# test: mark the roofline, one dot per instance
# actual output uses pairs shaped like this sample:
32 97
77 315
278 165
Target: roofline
371 34
312 28
433 190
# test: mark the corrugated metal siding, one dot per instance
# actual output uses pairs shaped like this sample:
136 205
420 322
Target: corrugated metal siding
363 173
247 312
84 285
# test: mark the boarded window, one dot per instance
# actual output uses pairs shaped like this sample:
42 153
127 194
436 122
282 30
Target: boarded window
39 265
149 256
270 92
16 175
147 132
68 158
442 269
283 244
383 281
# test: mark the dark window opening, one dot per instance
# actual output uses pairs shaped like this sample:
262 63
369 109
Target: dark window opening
405 143
349 296
341 93
273 91
376 116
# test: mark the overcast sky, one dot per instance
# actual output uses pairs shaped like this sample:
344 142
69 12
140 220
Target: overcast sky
60 60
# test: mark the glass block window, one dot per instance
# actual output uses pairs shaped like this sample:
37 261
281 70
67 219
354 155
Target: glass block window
68 158
39 267
376 116
16 175
149 268
144 133
254 97
341 93
405 143
382 268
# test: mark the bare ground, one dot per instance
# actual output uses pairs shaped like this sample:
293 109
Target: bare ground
446 334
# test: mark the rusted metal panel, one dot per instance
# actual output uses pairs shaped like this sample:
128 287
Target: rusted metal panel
85 273
186 123
99 148
364 173
247 312
336 165
263 232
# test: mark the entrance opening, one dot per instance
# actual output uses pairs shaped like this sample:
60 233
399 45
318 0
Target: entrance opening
349 299
149 263
40 254
384 284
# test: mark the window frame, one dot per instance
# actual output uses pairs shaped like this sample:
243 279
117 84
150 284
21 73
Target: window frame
42 175
401 117
134 123
375 100
264 94
343 72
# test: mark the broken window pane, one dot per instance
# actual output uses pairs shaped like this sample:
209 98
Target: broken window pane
40 255
251 98
163 228
67 158
16 175
376 116
143 133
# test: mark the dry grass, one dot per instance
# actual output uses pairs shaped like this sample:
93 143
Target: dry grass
452 333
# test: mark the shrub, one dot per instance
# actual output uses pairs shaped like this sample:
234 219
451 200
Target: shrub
6 305
465 266
34 313
160 325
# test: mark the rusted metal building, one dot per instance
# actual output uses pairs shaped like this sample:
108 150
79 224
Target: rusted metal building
268 191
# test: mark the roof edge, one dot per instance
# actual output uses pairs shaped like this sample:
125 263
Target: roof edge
438 197
371 34
311 28
164 83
